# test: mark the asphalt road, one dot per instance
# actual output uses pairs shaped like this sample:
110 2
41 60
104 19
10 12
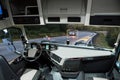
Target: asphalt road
7 51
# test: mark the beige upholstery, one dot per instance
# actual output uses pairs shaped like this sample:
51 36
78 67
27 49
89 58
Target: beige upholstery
96 78
29 75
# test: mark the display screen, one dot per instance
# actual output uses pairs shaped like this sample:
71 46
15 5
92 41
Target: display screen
1 12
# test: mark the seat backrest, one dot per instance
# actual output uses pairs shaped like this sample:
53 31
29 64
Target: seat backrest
6 72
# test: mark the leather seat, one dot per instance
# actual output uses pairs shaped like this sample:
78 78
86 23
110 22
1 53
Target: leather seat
6 72
30 74
97 78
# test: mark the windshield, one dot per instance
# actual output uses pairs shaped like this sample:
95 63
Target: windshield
102 38
75 35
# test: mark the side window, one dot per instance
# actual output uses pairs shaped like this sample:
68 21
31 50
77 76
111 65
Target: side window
15 36
10 42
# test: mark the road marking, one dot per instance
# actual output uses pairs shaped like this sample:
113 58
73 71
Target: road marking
85 39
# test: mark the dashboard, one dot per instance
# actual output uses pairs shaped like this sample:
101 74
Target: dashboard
69 59
65 53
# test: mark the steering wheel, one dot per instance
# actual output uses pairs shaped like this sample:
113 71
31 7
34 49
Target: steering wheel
33 52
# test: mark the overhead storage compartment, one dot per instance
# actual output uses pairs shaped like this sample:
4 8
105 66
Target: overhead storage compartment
105 12
72 11
25 11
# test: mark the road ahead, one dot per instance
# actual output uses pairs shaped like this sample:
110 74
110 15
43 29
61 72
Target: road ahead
9 54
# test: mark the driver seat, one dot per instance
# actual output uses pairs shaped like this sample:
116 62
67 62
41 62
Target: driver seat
6 72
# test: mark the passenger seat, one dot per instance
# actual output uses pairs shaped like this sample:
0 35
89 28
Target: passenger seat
6 72
82 76
97 78
30 74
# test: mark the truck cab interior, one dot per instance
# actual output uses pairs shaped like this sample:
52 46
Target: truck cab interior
44 60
